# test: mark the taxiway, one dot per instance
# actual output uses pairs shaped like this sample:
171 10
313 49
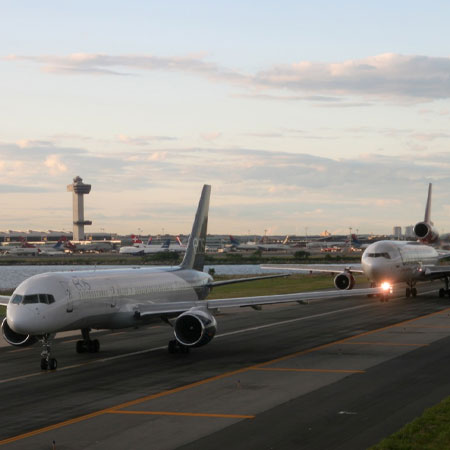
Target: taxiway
331 374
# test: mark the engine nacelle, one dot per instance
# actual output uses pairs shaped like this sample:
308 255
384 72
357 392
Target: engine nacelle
195 327
344 280
426 232
16 339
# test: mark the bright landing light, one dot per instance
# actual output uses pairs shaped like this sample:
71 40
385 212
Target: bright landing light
386 287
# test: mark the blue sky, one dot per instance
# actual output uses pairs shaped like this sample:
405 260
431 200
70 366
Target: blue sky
325 115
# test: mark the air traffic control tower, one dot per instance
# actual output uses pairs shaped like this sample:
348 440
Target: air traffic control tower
79 189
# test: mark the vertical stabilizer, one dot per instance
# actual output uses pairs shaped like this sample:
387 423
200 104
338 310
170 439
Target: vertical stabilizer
194 257
427 218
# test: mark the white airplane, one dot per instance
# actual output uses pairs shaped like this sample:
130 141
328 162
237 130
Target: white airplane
142 249
391 261
49 303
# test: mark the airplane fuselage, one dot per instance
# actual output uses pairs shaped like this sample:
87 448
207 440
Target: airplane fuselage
100 299
397 261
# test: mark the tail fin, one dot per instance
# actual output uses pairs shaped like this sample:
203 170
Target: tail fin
194 257
233 240
427 218
150 238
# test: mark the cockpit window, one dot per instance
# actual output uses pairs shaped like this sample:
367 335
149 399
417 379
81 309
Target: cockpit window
34 298
17 299
46 298
27 299
379 255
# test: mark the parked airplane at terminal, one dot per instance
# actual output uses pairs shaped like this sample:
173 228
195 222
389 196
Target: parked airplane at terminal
49 303
142 249
392 261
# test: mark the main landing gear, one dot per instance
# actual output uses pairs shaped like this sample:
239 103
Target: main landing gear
445 291
175 347
87 344
47 362
411 290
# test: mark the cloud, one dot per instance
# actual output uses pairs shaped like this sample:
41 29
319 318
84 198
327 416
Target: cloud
211 136
250 186
54 164
385 77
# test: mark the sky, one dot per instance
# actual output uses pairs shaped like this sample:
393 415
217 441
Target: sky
303 116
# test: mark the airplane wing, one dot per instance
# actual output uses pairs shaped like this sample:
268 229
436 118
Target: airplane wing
162 309
4 299
319 268
242 280
436 272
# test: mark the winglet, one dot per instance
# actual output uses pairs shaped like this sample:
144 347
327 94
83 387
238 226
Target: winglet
194 257
427 218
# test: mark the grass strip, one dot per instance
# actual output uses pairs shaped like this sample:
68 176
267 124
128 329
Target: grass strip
431 431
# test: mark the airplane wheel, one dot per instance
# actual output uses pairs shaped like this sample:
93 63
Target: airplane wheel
52 364
81 347
96 345
414 292
44 364
441 292
172 347
408 292
184 349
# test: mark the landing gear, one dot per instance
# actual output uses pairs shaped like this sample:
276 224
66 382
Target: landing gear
87 344
175 347
411 290
47 362
445 291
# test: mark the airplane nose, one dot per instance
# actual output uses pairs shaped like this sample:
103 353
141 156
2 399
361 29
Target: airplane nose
375 271
21 318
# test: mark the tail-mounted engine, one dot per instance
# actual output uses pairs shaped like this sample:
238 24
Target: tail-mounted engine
344 280
426 232
195 327
16 339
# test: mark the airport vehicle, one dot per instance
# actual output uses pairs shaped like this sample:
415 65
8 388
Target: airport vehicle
392 261
142 249
49 303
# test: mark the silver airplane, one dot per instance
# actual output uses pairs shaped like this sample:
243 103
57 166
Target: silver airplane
388 262
49 303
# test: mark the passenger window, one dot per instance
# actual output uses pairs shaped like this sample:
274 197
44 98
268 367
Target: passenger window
30 299
17 299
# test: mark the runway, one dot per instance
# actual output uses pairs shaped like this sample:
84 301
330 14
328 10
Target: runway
331 374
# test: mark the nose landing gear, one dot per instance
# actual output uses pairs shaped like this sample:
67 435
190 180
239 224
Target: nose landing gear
47 362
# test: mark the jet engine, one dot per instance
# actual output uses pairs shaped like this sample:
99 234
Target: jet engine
16 339
344 280
195 327
426 232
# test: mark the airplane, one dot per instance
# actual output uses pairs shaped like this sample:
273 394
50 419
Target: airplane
26 249
391 261
54 250
48 303
236 245
179 247
145 249
268 247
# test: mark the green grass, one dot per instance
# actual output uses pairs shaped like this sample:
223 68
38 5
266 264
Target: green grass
431 431
285 285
